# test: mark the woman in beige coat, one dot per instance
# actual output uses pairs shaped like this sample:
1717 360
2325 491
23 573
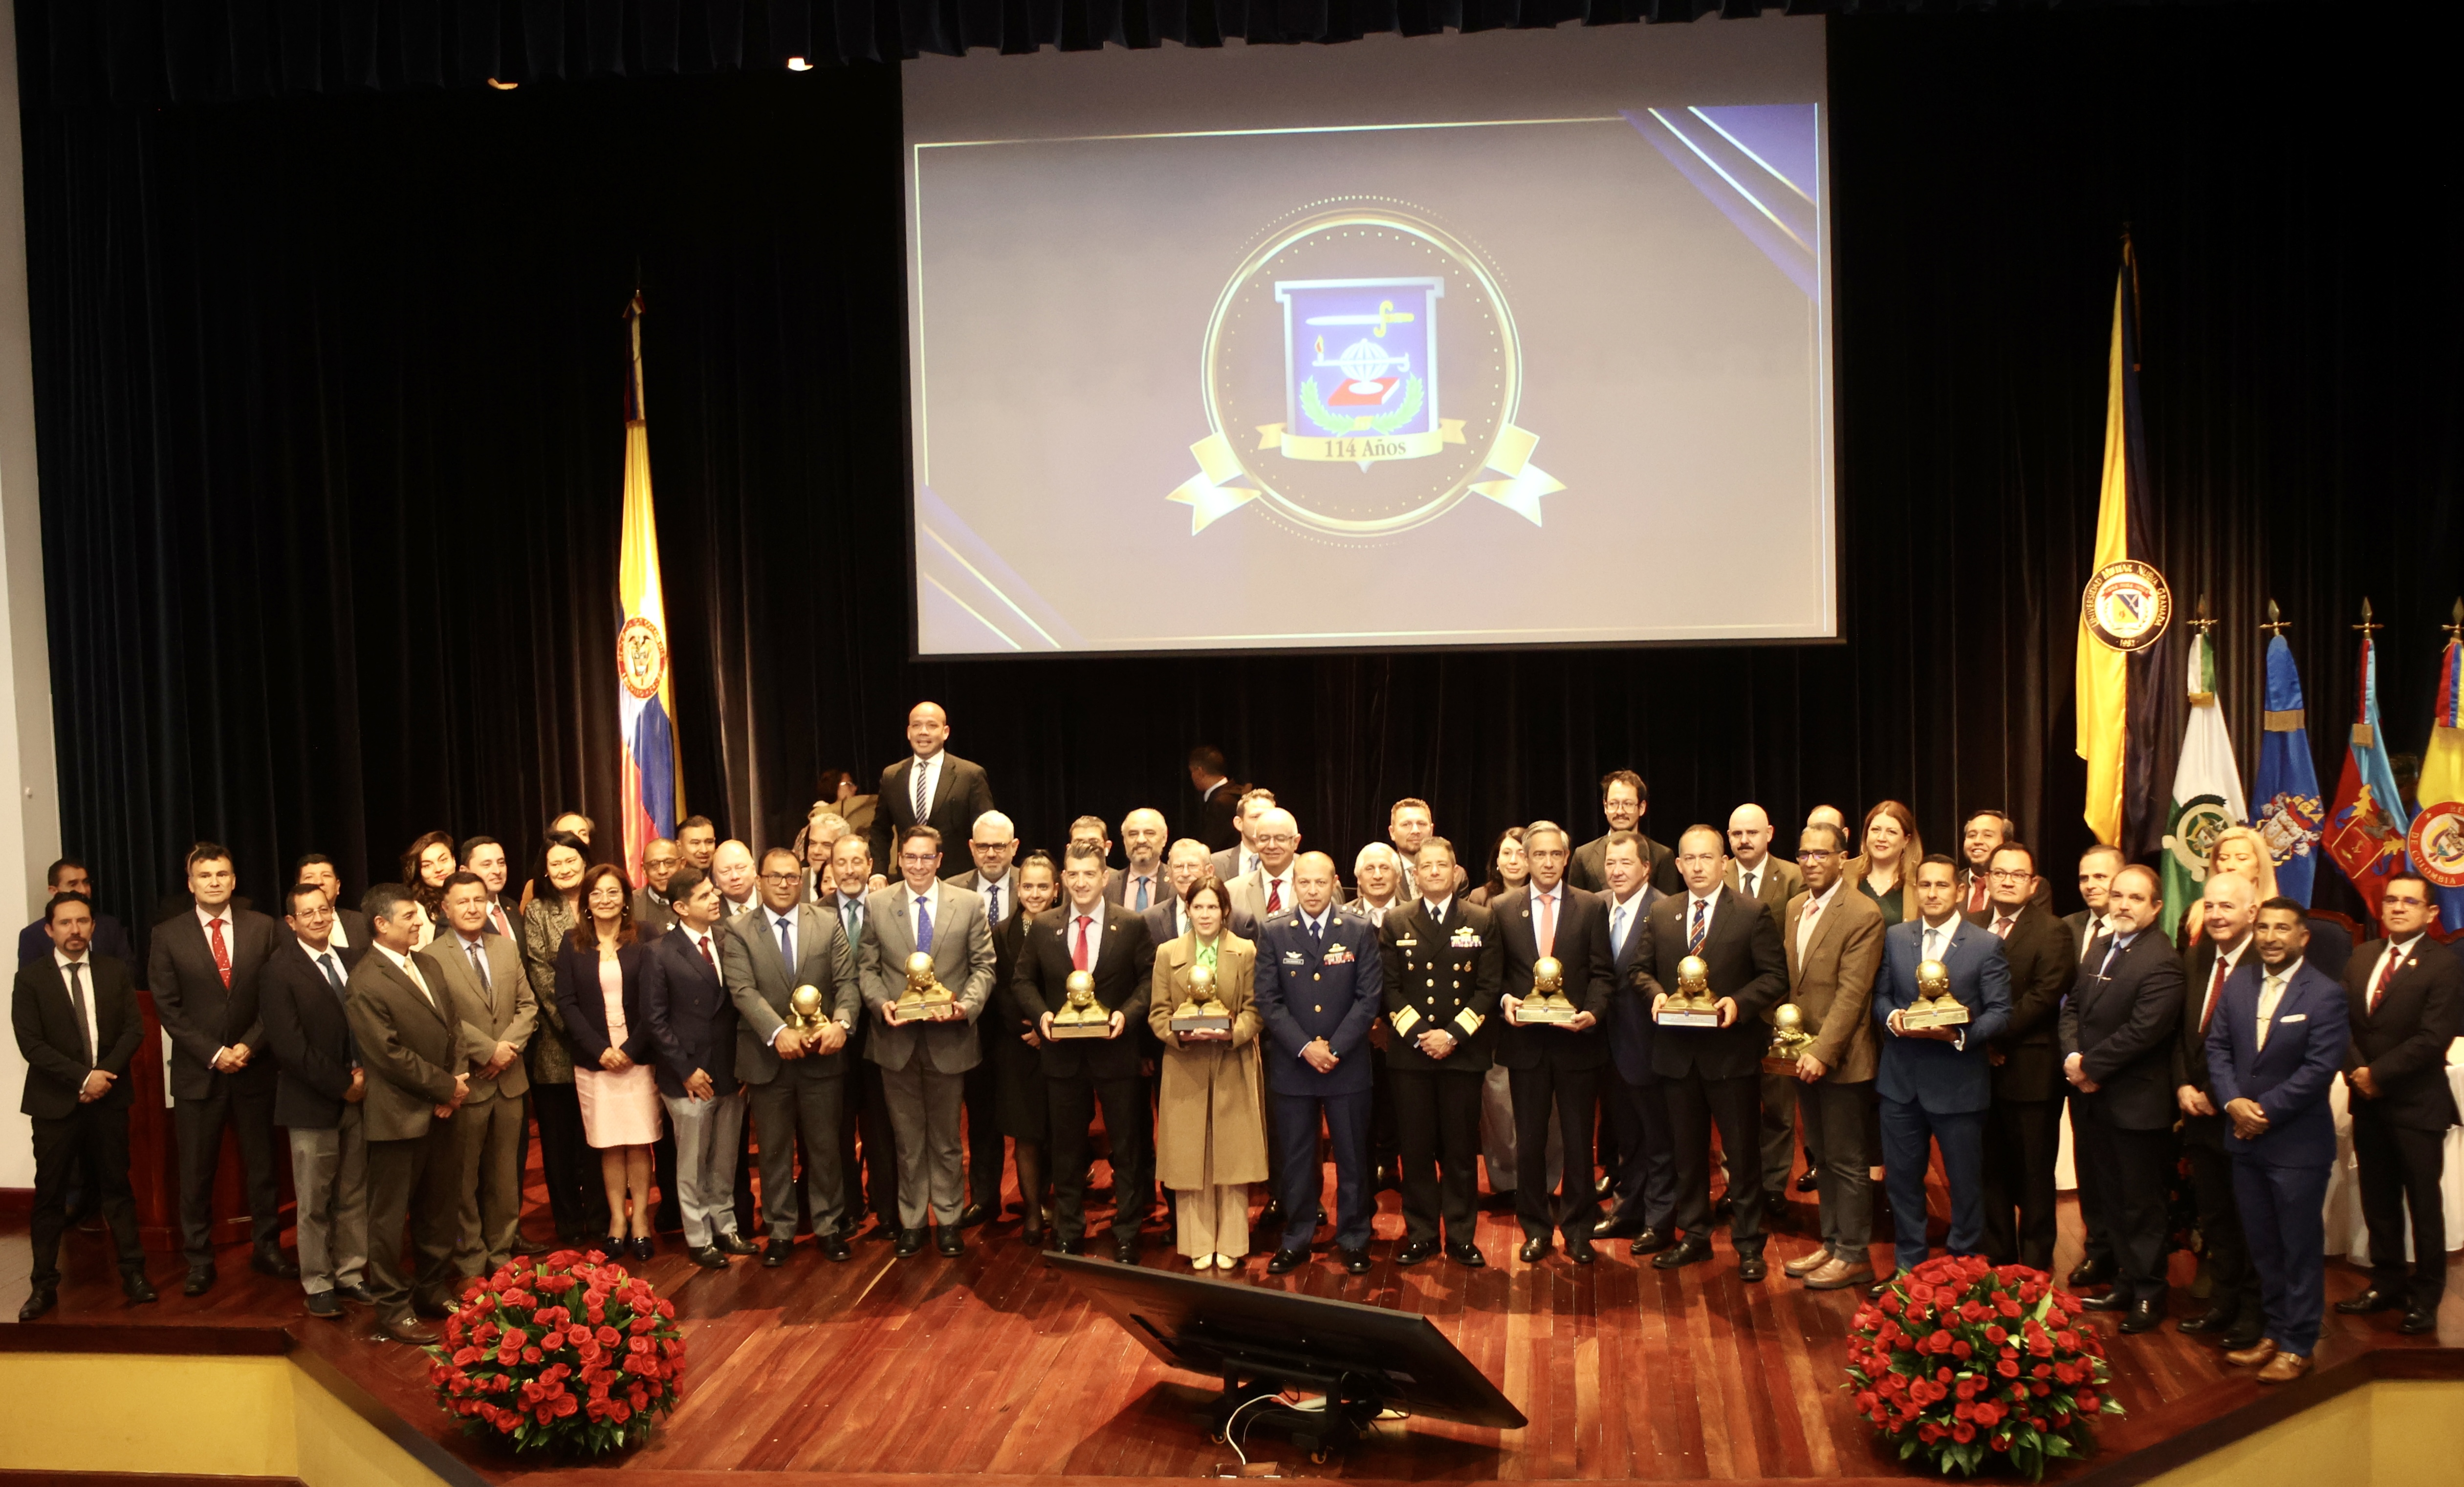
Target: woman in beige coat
1210 1126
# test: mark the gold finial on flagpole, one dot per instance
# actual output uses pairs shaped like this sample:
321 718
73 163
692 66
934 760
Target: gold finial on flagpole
2275 624
2367 626
2455 625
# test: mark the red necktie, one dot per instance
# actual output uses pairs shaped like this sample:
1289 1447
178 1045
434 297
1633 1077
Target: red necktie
1548 923
701 943
496 914
2002 926
2378 983
1078 952
1274 896
2216 988
222 952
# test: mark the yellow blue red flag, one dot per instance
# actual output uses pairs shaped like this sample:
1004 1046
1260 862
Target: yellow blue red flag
650 778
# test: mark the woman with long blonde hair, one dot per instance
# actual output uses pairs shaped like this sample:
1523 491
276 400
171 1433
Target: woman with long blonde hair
1885 869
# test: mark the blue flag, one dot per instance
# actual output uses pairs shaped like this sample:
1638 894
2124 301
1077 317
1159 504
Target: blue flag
2285 804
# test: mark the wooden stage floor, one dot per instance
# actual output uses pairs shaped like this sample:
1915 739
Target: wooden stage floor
991 1366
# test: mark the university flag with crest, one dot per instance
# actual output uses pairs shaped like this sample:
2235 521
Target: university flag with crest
2436 839
651 779
2366 828
2289 811
2207 791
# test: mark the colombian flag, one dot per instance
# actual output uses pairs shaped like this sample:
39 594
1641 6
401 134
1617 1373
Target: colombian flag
650 780
2436 839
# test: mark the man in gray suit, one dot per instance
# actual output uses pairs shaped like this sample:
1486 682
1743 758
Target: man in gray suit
1142 885
493 997
1268 891
924 1058
797 1076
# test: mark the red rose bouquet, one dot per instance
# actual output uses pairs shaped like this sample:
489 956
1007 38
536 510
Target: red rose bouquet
574 1354
1967 1367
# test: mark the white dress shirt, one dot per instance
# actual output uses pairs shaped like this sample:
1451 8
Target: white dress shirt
2271 991
1810 919
1624 914
413 972
2399 949
1749 879
2213 994
771 921
85 981
1095 916
1000 898
1710 905
335 937
1316 924
930 769
1937 937
1267 895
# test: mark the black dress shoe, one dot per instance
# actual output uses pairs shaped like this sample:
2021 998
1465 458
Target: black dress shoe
1125 1250
611 1246
834 1246
433 1311
324 1304
1389 1179
708 1257
1534 1249
201 1279
2370 1300
1882 1287
735 1244
1580 1251
1688 1251
1603 1185
775 1254
2091 1272
2218 1318
357 1291
2145 1315
949 1241
40 1300
1416 1251
1355 1262
138 1289
646 1248
1651 1241
911 1243
1466 1254
271 1262
1617 1227
1285 1261
526 1247
1033 1238
1807 1181
1271 1214
2110 1301
2417 1320
2243 1337
974 1213
1753 1267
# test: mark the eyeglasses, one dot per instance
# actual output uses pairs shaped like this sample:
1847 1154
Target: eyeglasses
914 860
782 879
1816 854
2008 874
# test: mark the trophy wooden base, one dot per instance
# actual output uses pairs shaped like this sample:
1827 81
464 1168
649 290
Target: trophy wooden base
1549 1014
1676 1018
902 1013
1202 1024
1103 1028
1779 1063
1924 1015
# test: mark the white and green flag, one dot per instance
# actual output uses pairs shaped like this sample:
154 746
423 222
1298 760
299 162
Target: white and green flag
2206 792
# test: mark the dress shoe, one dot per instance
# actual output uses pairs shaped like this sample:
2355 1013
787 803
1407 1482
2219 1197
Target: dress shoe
201 1279
1617 1226
1807 1181
138 1289
1060 1246
2258 1355
40 1300
357 1291
949 1241
2284 1368
2417 1320
1603 1185
325 1304
833 1245
1840 1274
1651 1241
974 1213
408 1329
610 1246
1466 1254
1416 1251
1285 1261
1753 1267
1033 1238
432 1310
1723 1208
1534 1250
1271 1214
1882 1287
2220 1319
911 1243
1805 1265
2110 1301
1227 1263
646 1248
1688 1251
2145 1315
1125 1251
2370 1300
735 1244
775 1254
1580 1252
271 1262
1355 1262
710 1256
2246 1335
1389 1179
2091 1272
526 1247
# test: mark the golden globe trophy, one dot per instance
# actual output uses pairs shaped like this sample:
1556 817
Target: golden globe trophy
1934 1006
805 1013
1789 1039
1081 1016
1546 1003
1203 1012
1691 1004
925 995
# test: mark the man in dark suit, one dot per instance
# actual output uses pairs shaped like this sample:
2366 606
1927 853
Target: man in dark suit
1183 866
2228 909
871 1168
1553 1068
654 912
203 972
1320 989
492 996
1833 934
1936 1083
1773 882
1219 799
1240 859
2023 1129
1110 944
1142 883
1624 799
2404 998
319 1100
77 1026
417 1061
2274 1047
2118 1030
1442 972
34 946
933 785
1645 1176
349 934
694 1022
2097 866
1711 1076
993 843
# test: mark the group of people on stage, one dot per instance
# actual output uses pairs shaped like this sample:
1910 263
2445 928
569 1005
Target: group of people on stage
899 1009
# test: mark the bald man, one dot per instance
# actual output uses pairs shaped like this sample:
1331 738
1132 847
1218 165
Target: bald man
1752 870
931 785
730 868
2227 913
1143 884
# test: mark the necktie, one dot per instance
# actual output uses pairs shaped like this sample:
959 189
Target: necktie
2215 988
76 999
786 950
222 952
701 943
497 917
1317 930
1753 882
2105 968
1078 952
2001 927
333 973
1548 937
1933 943
2378 983
1142 893
480 968
996 916
1694 936
1274 895
2275 991
1617 929
923 924
923 795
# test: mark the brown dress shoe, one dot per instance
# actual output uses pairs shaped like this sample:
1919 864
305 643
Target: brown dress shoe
1841 1274
2253 1357
1805 1265
2284 1369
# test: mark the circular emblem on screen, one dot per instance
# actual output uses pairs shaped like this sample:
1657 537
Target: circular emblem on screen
2437 842
1361 374
641 656
2127 605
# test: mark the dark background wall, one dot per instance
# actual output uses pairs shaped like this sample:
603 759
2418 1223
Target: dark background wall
327 390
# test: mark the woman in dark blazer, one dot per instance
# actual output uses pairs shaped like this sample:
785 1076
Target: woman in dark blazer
599 990
1011 1042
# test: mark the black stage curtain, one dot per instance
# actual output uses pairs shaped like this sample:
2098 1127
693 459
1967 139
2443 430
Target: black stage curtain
328 400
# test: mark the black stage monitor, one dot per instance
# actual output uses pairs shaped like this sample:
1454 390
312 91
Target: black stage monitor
1255 1334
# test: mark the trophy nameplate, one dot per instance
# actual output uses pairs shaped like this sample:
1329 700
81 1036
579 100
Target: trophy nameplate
1691 1004
1204 1012
1546 1003
1083 1016
925 995
1789 1039
1934 1006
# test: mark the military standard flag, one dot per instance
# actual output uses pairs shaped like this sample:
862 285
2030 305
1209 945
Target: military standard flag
2365 829
2289 810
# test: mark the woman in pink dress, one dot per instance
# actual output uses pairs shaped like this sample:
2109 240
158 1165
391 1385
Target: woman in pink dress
598 988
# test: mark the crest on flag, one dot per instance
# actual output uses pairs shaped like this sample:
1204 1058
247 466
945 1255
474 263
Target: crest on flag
2289 824
642 656
2364 842
2127 605
2437 844
2204 817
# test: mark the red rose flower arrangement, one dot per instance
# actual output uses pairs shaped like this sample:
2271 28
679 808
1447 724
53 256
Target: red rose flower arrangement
1966 1365
573 1354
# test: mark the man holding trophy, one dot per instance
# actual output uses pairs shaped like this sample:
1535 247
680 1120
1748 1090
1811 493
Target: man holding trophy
1834 938
1554 1045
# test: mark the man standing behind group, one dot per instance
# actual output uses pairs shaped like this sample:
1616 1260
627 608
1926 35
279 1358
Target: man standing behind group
740 885
993 844
1142 885
1645 1176
35 945
1752 871
653 914
1623 802
1767 880
692 1021
203 971
696 843
1443 967
320 1101
493 997
1553 1068
1240 859
1266 892
1319 990
931 785
2023 1130
1834 938
1219 799
1185 867
485 857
